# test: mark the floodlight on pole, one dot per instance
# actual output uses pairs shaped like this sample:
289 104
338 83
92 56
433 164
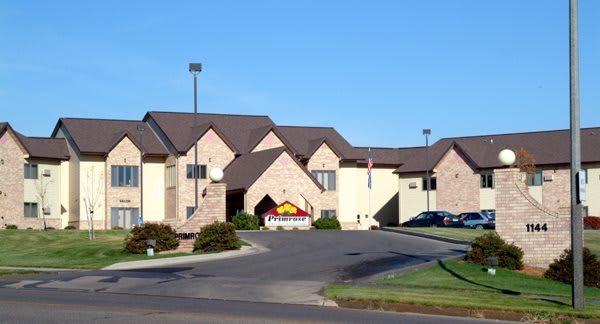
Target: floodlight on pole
141 128
195 69
427 132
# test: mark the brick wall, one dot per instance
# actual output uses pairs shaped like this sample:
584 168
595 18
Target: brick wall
457 184
556 193
211 210
515 209
268 142
212 152
11 181
285 180
325 159
125 153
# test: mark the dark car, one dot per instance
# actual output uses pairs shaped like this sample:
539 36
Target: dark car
478 220
434 219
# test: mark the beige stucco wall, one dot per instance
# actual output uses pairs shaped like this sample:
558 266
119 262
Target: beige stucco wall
349 202
47 188
11 180
268 142
487 198
325 159
213 152
171 193
414 200
457 184
70 197
285 180
593 189
92 176
154 189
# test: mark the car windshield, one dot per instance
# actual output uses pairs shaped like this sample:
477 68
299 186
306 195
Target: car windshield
421 216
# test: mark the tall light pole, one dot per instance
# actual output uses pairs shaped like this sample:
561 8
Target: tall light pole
427 132
576 207
141 128
195 68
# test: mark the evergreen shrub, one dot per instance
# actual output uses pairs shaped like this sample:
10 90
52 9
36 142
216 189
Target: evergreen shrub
491 244
330 223
561 269
164 234
245 221
217 237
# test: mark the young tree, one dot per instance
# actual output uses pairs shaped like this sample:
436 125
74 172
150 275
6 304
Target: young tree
42 195
525 162
92 191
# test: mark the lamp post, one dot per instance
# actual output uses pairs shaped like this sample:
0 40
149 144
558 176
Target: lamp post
195 69
427 132
577 294
141 128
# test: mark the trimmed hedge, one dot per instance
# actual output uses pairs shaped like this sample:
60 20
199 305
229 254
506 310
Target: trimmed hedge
70 227
217 237
245 221
561 269
591 222
164 234
12 227
330 223
491 244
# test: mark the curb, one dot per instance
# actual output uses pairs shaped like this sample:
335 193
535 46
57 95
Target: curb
398 272
423 235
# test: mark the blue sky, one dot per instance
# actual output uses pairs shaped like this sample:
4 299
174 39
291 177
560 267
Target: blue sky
377 71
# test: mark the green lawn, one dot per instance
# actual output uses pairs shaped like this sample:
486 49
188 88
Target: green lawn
592 241
465 285
15 272
66 249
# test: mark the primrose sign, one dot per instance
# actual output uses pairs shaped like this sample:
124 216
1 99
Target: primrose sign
286 214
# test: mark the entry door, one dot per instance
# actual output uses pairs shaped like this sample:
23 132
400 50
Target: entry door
124 217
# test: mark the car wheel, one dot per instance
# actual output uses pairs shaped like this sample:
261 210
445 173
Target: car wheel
479 227
434 225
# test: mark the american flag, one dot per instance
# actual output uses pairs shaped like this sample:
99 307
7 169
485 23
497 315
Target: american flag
369 167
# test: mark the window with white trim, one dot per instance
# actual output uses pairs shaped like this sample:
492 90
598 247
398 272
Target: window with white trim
432 181
200 169
31 210
327 213
171 175
124 175
31 171
487 180
326 178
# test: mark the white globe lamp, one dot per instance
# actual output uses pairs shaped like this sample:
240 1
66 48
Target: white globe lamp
216 174
507 157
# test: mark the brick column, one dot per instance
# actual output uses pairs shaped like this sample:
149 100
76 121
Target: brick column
520 219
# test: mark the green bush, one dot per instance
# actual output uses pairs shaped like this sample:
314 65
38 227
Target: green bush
70 227
491 244
117 228
265 228
330 223
136 239
561 269
217 237
12 227
245 221
280 228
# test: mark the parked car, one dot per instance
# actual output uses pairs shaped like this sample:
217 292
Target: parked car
434 219
478 220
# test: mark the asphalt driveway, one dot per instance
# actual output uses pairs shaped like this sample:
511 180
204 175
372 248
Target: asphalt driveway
294 268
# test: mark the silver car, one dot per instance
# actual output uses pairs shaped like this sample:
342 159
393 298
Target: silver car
478 220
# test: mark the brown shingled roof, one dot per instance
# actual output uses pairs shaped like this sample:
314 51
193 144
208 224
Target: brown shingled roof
45 148
387 156
306 140
242 172
99 136
238 130
547 147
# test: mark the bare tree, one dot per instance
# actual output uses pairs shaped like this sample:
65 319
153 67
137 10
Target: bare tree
42 195
92 191
525 162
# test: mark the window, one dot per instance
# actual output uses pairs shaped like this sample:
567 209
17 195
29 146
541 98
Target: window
171 176
534 179
325 178
432 181
487 180
31 209
31 171
189 211
327 213
124 175
190 171
123 217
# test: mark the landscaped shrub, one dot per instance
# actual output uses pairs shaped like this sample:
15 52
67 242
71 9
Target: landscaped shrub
327 223
217 237
117 228
70 227
136 239
374 227
561 269
280 228
245 221
12 227
591 222
509 256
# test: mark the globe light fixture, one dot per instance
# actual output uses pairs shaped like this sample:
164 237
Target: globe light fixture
507 157
216 174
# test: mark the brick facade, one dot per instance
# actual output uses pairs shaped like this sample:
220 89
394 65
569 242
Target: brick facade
12 186
212 152
515 209
325 159
457 184
268 142
556 193
123 154
285 180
